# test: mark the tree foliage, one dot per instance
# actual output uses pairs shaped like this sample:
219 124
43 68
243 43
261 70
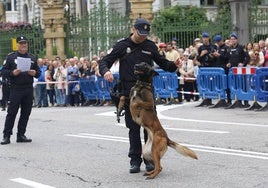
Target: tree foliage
181 14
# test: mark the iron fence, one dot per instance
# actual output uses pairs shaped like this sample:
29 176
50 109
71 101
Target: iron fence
9 31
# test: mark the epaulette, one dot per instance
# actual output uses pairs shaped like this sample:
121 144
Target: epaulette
11 53
121 39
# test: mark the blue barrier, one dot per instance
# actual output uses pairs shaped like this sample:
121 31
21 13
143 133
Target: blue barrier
262 84
89 88
103 87
212 83
245 83
97 88
165 84
242 83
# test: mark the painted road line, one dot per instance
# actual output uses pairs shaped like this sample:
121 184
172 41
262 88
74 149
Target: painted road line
229 150
160 116
109 138
161 108
208 149
30 183
186 130
198 130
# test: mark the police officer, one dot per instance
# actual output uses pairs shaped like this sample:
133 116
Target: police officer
222 58
130 51
5 92
21 89
206 58
238 57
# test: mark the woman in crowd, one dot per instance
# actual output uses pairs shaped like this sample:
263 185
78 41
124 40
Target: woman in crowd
60 86
187 75
50 86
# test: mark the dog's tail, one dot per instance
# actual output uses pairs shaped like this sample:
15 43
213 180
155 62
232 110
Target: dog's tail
182 149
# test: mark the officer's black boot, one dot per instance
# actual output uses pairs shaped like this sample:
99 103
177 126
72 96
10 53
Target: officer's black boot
203 103
23 138
6 140
149 165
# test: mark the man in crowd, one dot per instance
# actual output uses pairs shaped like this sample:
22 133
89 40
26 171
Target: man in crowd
237 58
222 58
206 59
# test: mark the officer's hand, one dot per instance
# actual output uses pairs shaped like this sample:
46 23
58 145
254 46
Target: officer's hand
108 76
203 52
216 54
32 72
228 65
240 65
16 72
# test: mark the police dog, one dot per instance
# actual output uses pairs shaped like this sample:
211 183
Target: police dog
143 112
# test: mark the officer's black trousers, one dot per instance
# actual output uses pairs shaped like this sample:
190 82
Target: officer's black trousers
23 98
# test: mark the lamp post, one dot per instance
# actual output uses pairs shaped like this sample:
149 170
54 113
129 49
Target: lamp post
240 19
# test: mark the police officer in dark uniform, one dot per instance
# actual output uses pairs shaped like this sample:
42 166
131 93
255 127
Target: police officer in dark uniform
5 91
206 58
130 51
238 57
21 89
222 58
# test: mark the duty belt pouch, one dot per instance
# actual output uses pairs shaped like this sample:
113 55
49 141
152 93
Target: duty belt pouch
115 92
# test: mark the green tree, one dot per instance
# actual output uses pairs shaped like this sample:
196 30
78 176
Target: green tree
223 18
184 23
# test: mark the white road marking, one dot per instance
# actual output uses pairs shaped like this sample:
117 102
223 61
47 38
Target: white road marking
197 130
217 150
186 130
30 183
161 108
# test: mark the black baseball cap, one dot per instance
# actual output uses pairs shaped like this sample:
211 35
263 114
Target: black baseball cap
22 39
143 26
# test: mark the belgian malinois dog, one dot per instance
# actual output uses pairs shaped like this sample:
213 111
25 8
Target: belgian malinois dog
142 108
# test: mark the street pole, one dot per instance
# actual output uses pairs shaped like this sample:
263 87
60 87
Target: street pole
240 19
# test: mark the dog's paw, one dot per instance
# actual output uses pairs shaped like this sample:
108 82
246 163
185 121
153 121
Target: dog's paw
149 178
146 174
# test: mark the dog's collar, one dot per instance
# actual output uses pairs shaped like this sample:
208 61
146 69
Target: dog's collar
144 84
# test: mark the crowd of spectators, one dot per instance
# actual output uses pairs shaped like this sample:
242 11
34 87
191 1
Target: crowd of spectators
50 88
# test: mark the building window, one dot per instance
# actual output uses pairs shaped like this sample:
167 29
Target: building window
167 3
15 5
8 6
208 2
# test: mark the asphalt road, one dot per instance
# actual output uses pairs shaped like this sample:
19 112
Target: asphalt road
84 147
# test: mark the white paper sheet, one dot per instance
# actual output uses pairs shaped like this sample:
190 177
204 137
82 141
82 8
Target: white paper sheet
24 64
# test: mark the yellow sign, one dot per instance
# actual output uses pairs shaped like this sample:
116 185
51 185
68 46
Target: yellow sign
14 44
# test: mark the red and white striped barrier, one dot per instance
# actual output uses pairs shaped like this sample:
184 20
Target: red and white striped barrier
186 78
244 70
188 92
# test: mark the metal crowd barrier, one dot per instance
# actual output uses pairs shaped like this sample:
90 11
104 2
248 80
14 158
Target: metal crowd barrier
244 83
165 85
97 88
212 83
262 86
